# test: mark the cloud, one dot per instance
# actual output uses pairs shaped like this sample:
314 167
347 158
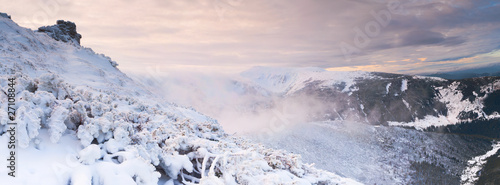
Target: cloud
422 67
426 37
235 35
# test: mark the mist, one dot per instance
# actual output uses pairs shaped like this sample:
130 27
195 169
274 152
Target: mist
333 120
240 105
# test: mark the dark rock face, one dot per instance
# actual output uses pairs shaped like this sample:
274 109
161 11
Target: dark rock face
489 70
63 31
5 15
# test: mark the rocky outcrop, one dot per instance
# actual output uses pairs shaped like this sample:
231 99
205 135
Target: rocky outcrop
63 31
5 15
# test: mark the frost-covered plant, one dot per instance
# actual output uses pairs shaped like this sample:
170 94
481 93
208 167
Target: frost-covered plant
123 130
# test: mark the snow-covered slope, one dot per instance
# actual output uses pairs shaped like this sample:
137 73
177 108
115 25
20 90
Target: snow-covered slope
377 152
389 99
384 154
81 121
289 80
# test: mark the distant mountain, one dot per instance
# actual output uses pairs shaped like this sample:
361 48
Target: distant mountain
388 99
484 71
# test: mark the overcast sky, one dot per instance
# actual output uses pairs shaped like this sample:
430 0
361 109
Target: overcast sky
402 36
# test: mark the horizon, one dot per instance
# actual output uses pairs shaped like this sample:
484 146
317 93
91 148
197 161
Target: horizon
230 36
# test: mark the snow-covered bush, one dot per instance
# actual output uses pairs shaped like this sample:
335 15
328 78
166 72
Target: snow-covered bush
110 126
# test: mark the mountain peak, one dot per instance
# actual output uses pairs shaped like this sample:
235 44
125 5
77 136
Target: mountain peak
63 31
5 15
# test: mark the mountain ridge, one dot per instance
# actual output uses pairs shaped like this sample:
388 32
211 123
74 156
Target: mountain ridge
81 120
388 99
430 109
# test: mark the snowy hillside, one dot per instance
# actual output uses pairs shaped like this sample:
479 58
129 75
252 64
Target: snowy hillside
349 122
384 154
380 98
289 80
81 121
445 118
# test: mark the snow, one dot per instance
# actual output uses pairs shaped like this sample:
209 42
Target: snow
285 81
370 154
452 97
404 85
387 88
421 124
407 104
58 163
470 174
28 125
81 120
89 154
429 78
56 123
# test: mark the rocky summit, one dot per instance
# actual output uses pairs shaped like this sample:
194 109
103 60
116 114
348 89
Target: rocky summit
5 15
63 31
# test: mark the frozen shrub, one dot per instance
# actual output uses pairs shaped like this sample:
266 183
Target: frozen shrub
56 123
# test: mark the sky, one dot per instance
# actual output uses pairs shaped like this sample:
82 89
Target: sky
400 36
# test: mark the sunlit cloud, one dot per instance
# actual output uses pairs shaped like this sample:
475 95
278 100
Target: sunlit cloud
226 35
423 67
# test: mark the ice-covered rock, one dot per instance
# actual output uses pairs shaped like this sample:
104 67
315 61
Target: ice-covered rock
63 31
4 15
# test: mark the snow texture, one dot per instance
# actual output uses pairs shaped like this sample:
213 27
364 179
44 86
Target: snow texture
374 154
471 173
404 85
421 124
452 97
